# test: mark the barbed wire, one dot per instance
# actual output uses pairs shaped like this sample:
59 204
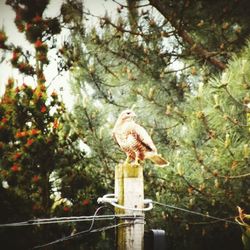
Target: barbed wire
70 219
58 220
35 222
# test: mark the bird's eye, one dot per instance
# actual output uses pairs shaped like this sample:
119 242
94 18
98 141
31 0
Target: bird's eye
128 113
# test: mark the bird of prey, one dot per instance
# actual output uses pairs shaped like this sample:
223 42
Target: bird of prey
134 140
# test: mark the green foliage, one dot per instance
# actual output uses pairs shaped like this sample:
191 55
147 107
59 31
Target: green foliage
199 121
31 142
221 26
32 149
210 163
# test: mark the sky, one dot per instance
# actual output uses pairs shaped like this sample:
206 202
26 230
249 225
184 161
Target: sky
60 83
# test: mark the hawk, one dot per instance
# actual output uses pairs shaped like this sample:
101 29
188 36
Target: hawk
134 140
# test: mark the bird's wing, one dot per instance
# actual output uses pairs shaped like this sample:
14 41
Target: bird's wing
143 136
114 137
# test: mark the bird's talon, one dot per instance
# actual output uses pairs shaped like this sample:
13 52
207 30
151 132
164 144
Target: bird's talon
136 163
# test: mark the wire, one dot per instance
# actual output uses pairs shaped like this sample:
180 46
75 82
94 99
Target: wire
70 220
70 236
194 212
136 220
96 217
76 235
58 220
84 232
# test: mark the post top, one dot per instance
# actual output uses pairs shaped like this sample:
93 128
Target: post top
129 170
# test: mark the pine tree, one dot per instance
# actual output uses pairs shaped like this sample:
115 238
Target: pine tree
211 158
198 120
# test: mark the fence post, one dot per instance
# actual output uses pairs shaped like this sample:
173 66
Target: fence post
129 189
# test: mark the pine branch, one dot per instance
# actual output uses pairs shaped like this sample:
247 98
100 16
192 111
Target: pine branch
201 161
193 187
235 176
107 68
197 48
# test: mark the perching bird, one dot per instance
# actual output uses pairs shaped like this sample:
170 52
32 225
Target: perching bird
134 140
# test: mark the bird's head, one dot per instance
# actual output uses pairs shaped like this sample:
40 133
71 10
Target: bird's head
127 115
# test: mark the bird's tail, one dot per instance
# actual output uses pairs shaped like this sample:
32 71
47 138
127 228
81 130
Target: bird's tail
157 159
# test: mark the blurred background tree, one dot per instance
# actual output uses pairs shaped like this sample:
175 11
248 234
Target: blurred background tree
183 68
43 169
